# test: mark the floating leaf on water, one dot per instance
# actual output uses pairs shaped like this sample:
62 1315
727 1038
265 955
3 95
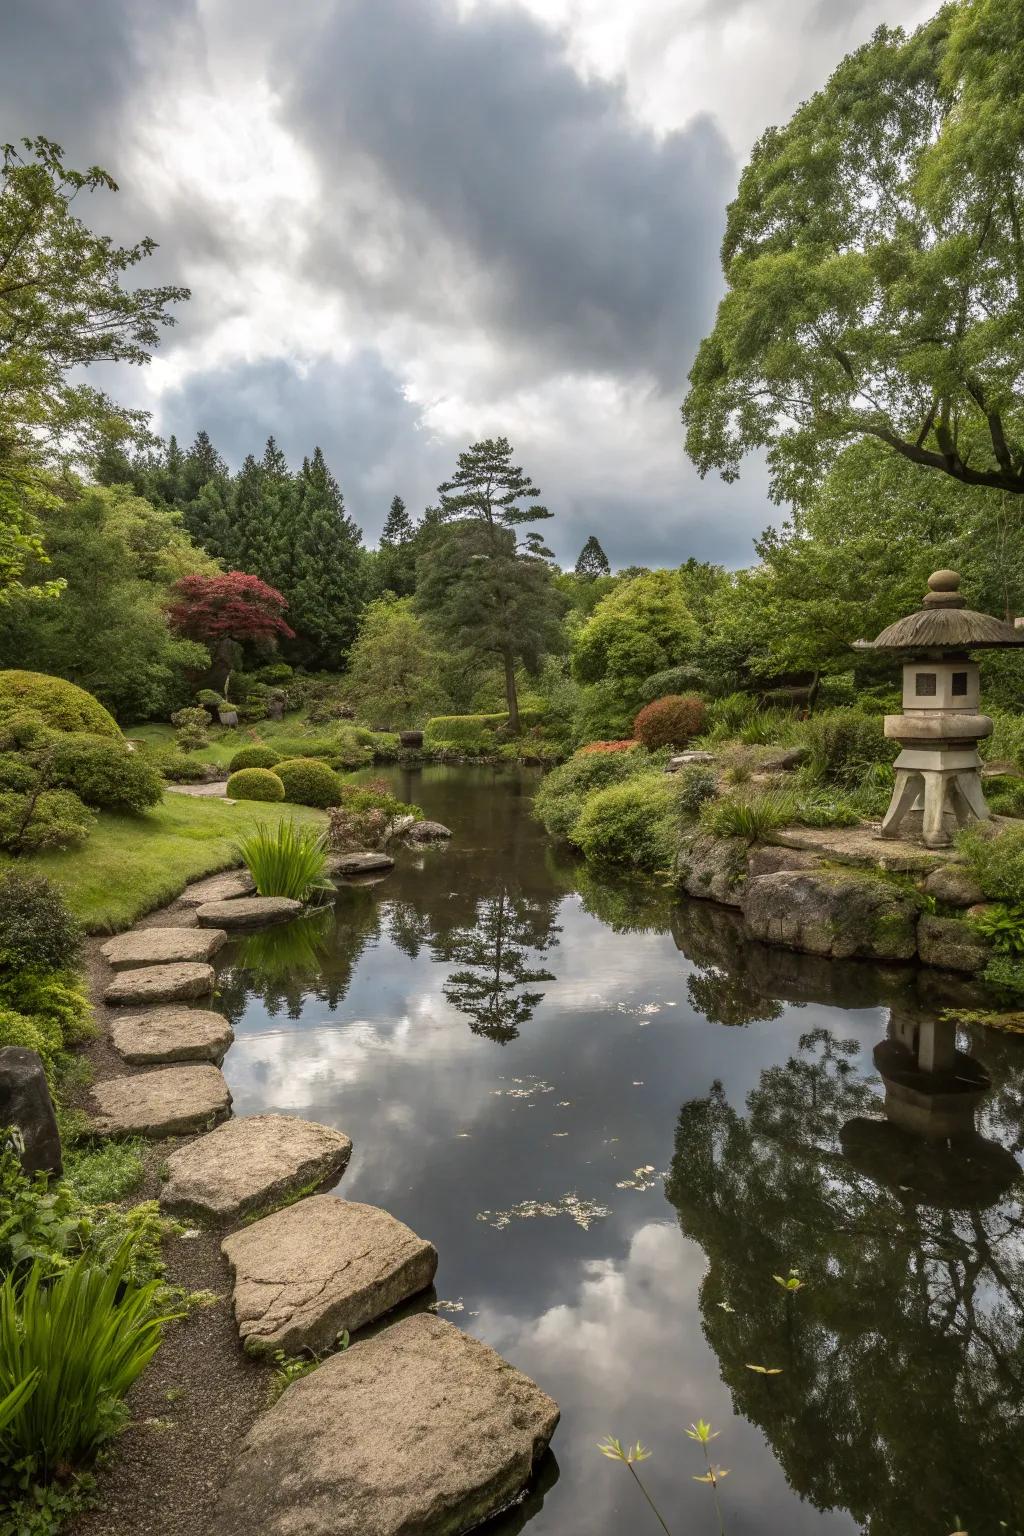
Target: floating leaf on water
725 1306
766 1370
582 1212
447 1306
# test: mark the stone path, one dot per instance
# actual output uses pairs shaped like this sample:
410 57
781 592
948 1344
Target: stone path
420 1429
251 1164
161 946
247 912
323 1265
161 984
172 1035
436 1432
172 1101
216 789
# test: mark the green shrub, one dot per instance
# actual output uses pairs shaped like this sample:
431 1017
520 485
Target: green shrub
764 727
59 703
996 861
671 721
255 784
104 773
209 698
695 784
563 792
633 825
191 729
825 808
85 1336
1006 742
1003 926
105 1171
843 744
308 782
55 818
37 927
463 733
36 1034
753 817
254 757
54 996
365 816
286 860
17 772
176 766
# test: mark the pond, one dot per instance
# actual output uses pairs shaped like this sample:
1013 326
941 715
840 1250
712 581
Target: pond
618 1123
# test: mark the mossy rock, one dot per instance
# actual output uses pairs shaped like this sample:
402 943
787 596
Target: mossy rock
840 913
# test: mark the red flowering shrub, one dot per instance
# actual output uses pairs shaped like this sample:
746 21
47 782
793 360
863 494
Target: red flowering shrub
608 746
671 721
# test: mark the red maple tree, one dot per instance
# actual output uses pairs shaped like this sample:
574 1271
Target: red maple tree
225 611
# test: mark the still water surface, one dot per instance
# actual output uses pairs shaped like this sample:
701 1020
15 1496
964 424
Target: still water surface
617 1122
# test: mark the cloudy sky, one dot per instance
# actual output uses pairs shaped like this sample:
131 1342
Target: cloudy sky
408 224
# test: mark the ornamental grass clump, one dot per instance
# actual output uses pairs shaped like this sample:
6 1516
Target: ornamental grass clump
82 1337
286 860
752 817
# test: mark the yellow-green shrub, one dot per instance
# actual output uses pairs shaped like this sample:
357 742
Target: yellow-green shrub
255 784
308 781
59 702
632 825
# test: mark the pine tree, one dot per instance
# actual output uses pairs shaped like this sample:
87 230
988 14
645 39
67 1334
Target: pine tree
398 526
593 561
325 584
206 496
394 566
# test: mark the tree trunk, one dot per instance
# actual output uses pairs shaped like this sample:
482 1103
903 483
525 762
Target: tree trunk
510 694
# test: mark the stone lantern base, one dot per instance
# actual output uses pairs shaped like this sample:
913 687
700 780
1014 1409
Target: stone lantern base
940 779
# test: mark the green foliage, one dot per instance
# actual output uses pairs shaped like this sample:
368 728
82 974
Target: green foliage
872 266
255 784
633 825
35 1034
643 627
51 818
56 997
86 1335
176 766
254 757
825 808
308 781
671 721
1004 972
104 1172
1003 926
286 859
57 702
564 791
366 815
695 785
192 728
37 927
104 773
844 744
996 862
753 817
393 665
592 561
464 733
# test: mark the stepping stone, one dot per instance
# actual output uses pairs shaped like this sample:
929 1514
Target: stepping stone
418 1431
247 912
172 1034
427 832
324 1264
235 882
158 946
358 863
161 984
170 1102
252 1164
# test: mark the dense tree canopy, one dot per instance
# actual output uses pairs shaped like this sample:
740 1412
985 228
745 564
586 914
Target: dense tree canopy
393 666
873 262
641 629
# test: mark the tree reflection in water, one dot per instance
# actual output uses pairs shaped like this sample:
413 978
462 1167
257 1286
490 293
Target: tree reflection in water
902 1393
493 987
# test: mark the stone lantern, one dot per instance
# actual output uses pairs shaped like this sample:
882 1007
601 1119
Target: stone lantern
938 771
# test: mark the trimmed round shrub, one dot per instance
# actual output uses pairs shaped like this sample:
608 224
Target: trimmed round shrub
57 701
671 721
255 784
17 772
56 819
104 772
254 757
36 924
564 791
308 781
631 825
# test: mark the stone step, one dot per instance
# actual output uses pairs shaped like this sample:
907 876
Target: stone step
162 946
171 1034
417 1429
172 1101
323 1265
247 912
161 984
358 863
234 882
252 1164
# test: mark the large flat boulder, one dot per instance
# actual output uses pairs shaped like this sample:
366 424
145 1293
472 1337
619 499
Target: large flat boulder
712 868
839 913
171 1034
320 1266
951 945
162 946
358 863
428 832
161 984
418 1431
252 1164
863 848
248 912
172 1101
235 882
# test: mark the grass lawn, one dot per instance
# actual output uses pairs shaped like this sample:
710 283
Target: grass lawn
132 864
225 741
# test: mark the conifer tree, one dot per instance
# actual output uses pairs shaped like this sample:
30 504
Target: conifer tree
325 582
593 561
395 562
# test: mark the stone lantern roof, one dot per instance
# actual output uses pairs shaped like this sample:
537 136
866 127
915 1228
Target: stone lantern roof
944 623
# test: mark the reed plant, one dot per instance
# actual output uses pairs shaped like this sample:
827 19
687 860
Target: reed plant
286 859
